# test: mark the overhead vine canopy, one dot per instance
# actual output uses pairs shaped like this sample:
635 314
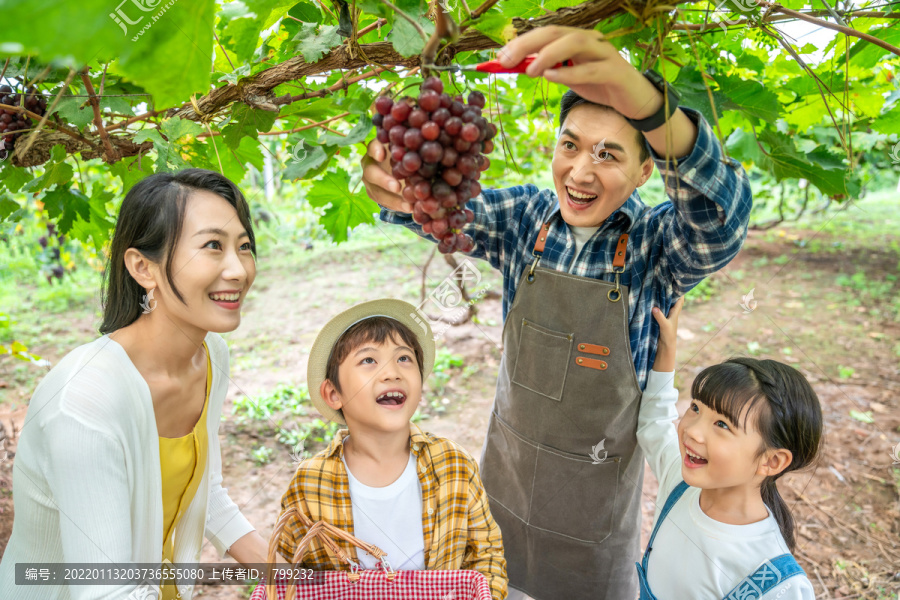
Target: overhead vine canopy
153 85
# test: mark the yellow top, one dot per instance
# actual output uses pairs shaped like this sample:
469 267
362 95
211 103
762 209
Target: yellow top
182 461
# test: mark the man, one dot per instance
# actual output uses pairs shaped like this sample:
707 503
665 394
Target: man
583 268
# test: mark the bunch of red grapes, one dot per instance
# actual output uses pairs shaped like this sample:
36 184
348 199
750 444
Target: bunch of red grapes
438 145
12 121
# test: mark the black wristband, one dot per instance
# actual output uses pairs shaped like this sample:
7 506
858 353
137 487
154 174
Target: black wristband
659 117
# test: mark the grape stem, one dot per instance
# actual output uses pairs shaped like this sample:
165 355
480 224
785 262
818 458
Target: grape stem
112 155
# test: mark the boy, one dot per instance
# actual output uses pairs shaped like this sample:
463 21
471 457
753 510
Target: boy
561 462
414 495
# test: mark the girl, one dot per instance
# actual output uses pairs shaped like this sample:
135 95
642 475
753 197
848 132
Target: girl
724 530
118 461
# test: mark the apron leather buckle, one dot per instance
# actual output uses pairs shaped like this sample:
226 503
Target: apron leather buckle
530 277
616 291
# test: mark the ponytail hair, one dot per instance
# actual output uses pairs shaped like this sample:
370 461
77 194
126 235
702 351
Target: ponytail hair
786 412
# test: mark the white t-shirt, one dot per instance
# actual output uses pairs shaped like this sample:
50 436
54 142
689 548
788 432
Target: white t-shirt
390 517
582 235
695 556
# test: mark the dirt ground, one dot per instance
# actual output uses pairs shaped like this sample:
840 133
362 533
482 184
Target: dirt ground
843 337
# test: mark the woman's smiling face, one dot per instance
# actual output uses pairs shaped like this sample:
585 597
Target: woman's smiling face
596 165
212 267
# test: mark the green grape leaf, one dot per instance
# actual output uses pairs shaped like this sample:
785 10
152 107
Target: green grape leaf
7 207
131 170
346 209
750 97
69 110
313 46
406 39
56 171
496 26
65 204
246 121
304 159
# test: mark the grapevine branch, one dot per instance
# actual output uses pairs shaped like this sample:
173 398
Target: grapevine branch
111 154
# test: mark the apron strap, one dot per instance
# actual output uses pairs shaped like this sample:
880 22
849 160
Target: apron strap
538 250
674 495
618 266
769 575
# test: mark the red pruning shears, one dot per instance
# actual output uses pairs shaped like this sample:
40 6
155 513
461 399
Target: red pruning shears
494 66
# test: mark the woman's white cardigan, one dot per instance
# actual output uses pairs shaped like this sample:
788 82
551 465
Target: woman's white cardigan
86 476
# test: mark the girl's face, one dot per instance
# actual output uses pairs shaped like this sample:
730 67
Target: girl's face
212 267
716 453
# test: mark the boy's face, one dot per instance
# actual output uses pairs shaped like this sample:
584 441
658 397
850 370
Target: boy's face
606 173
380 387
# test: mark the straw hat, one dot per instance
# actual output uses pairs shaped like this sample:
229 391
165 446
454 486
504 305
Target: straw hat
320 352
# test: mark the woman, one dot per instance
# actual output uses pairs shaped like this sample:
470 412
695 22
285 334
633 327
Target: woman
118 459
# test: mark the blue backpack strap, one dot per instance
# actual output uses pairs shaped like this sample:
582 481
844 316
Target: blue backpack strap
767 577
674 495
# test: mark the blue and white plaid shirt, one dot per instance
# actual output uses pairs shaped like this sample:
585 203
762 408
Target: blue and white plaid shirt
671 247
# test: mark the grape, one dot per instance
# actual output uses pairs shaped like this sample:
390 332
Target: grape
431 130
432 152
476 98
12 122
412 139
412 161
422 190
418 117
383 105
440 116
440 227
427 170
452 176
433 83
457 219
453 125
396 134
400 111
466 164
430 100
449 158
469 132
437 144
397 153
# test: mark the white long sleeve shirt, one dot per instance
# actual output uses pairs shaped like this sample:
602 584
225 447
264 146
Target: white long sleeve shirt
86 479
695 556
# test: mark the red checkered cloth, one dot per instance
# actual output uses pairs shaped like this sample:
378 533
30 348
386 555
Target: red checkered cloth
373 584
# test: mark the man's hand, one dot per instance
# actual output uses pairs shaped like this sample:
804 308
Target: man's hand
599 74
380 184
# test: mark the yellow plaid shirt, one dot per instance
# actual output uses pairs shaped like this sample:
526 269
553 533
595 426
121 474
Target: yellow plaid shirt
459 531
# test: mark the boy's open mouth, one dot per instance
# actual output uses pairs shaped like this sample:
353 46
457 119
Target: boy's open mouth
392 398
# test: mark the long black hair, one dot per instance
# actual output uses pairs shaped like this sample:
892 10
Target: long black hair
150 221
785 409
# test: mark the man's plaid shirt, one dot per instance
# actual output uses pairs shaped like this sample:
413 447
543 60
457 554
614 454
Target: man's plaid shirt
458 528
671 247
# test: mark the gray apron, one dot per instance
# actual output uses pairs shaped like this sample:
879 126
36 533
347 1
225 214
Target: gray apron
560 463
